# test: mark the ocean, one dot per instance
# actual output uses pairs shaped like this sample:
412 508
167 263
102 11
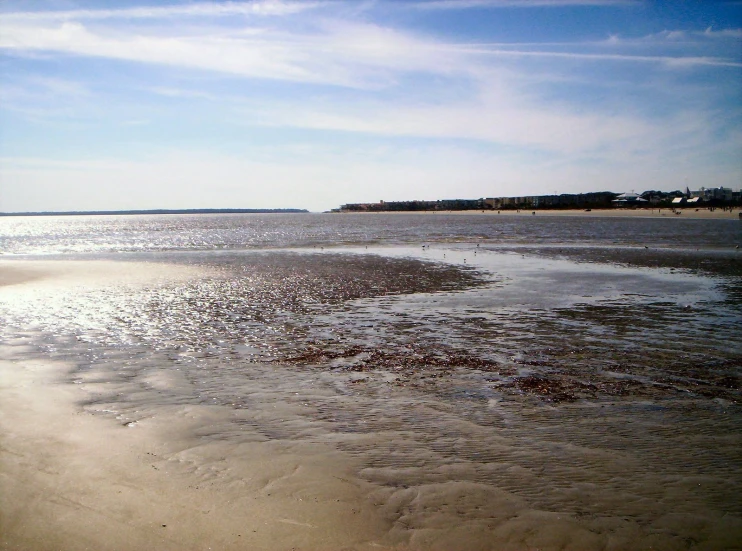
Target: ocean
514 382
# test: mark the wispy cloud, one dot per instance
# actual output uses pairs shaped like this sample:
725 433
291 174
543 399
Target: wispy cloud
495 4
171 92
335 53
202 9
42 97
499 119
253 57
56 86
670 61
687 34
253 73
723 33
339 53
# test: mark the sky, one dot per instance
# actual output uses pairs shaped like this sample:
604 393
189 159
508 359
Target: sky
111 105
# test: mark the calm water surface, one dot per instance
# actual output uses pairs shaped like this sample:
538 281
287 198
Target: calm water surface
489 375
83 234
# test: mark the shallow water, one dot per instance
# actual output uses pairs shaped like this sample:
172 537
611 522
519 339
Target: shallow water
496 391
101 234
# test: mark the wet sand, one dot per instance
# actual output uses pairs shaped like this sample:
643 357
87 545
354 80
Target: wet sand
74 478
29 275
185 442
12 274
73 481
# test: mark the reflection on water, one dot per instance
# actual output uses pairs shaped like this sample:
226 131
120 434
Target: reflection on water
482 391
103 234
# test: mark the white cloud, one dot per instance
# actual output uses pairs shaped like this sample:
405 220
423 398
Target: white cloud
494 4
670 61
243 57
340 53
172 92
352 55
687 36
723 33
201 9
674 35
497 120
468 103
499 106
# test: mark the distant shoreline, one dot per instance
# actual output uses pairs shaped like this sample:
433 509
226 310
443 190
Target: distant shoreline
687 213
701 213
155 211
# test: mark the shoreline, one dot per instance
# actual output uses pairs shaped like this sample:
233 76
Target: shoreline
80 473
703 214
95 455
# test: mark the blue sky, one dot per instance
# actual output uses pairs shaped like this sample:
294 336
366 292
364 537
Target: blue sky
311 104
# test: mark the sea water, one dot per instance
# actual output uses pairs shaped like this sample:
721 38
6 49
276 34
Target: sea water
583 373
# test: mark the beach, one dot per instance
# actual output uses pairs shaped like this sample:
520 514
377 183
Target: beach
73 479
686 213
221 331
489 390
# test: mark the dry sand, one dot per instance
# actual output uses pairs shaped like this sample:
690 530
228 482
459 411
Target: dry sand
72 479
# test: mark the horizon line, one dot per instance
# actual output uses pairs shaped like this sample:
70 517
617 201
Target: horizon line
154 211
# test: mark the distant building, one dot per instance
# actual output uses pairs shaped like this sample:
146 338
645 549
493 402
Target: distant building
629 200
564 201
599 199
720 194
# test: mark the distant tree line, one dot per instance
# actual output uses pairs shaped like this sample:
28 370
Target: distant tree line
711 197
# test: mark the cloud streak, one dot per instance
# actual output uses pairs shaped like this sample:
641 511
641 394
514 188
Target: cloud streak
670 61
497 4
233 77
353 55
203 9
499 120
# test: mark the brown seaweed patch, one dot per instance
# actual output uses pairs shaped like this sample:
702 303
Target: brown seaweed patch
552 390
408 359
560 387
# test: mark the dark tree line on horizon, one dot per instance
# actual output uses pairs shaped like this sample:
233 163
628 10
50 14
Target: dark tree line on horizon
712 197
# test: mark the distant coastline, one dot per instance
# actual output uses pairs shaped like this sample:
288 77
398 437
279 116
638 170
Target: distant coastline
646 212
154 211
713 198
